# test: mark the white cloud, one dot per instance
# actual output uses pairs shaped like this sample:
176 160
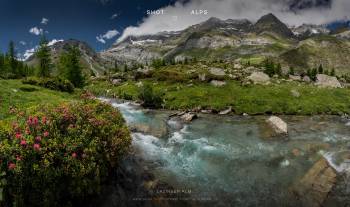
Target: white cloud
107 36
36 31
44 20
114 16
22 43
100 39
28 53
238 9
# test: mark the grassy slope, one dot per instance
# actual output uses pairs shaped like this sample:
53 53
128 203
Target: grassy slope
276 99
326 50
12 95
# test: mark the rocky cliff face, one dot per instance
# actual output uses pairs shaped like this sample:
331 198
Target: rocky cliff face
302 47
213 35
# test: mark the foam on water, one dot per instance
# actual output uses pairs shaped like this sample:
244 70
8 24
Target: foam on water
338 162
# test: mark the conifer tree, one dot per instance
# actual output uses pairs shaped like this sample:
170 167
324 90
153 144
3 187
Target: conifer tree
313 74
333 72
309 73
320 69
291 70
2 64
70 67
279 69
43 55
12 58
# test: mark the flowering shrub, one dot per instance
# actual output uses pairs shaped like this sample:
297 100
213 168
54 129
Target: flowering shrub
60 155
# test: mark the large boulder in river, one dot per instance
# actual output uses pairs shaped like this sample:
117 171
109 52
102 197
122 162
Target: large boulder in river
313 189
278 126
259 78
327 81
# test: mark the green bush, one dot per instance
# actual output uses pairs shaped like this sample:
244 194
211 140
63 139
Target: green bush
57 84
149 97
60 156
171 76
27 89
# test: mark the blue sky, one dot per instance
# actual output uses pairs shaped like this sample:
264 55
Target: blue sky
78 19
101 22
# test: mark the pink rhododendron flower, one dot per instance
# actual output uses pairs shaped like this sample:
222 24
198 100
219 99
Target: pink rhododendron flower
46 134
44 120
18 135
23 142
36 147
74 154
38 139
27 131
30 121
12 166
18 158
35 121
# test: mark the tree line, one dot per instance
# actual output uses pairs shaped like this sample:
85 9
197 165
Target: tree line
11 66
271 68
68 66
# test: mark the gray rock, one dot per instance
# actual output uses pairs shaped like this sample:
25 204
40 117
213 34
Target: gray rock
217 83
217 71
209 111
307 79
259 78
294 77
238 66
188 117
278 126
116 81
202 77
225 112
327 81
295 93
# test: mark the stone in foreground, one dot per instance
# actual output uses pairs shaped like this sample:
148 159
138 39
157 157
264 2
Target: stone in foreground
313 189
278 126
325 81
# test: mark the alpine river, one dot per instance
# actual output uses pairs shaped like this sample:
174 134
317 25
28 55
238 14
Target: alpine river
227 160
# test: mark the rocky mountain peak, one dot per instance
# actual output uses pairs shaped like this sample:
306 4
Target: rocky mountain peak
270 23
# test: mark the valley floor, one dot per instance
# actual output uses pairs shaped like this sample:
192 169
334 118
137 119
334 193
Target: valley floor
290 98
